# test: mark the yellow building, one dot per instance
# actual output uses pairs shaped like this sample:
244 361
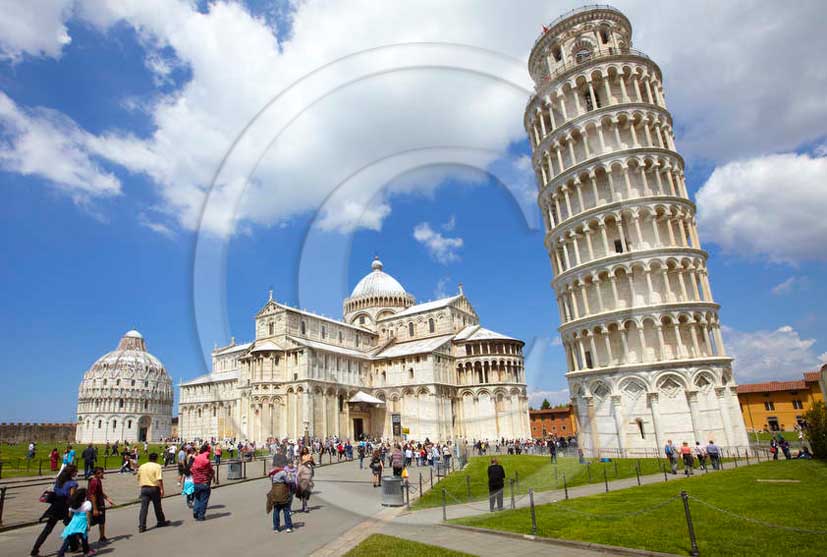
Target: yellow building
779 405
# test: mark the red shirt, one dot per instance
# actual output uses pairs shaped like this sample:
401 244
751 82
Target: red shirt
95 491
201 469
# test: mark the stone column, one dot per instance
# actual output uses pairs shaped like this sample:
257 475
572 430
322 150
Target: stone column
692 399
723 407
654 409
617 410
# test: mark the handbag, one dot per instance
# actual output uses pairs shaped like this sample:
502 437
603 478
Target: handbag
47 497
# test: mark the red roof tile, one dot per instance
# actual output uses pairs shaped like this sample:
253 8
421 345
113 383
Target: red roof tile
812 376
772 386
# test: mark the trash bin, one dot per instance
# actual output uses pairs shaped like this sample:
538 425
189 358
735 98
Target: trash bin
392 492
234 471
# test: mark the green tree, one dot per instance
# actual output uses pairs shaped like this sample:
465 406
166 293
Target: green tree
816 432
546 404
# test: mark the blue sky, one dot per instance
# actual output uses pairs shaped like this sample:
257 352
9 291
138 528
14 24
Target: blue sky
114 120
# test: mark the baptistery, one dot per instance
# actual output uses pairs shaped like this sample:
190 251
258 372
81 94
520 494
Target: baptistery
125 396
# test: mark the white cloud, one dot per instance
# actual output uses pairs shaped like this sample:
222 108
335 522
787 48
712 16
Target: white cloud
441 248
35 27
450 225
47 144
441 289
769 355
822 358
771 206
789 285
720 88
535 398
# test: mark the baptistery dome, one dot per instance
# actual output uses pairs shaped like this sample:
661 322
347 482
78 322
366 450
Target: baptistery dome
125 396
377 295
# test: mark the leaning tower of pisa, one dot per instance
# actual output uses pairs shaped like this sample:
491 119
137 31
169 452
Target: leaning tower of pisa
646 362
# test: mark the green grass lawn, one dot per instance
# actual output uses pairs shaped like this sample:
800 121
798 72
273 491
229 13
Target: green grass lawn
798 504
765 437
535 472
380 544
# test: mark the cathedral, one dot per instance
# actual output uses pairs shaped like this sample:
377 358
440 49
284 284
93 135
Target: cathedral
390 368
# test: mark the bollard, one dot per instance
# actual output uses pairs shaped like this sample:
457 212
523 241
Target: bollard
243 469
217 473
431 471
408 493
736 461
605 480
694 543
637 473
746 455
513 501
2 502
555 473
665 477
420 484
1 469
615 463
533 515
565 487
40 467
444 503
467 486
263 467
589 468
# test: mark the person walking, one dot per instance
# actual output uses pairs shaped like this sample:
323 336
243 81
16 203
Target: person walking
151 484
278 500
360 450
202 476
672 455
376 467
90 455
397 461
217 454
64 487
77 530
774 448
98 499
54 458
688 460
700 454
188 487
714 454
496 485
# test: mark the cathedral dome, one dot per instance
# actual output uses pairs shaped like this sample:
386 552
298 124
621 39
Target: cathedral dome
377 283
125 393
378 294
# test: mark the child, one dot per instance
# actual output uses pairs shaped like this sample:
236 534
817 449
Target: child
78 527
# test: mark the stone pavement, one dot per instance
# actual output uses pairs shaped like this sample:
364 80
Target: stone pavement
236 521
345 510
22 506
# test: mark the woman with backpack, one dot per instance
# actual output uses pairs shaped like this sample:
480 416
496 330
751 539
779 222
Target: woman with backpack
376 467
58 499
77 531
279 499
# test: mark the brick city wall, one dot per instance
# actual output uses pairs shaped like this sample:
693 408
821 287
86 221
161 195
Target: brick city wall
41 433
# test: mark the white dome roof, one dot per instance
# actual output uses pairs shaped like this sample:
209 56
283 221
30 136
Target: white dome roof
378 283
129 361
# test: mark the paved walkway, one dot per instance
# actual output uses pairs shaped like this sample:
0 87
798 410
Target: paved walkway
345 510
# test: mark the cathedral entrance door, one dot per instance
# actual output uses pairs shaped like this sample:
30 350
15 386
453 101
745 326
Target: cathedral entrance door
143 428
358 428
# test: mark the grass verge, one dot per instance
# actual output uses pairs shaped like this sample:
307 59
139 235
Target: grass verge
796 501
380 544
533 472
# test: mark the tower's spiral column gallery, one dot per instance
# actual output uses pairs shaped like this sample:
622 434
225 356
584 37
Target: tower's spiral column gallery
646 361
